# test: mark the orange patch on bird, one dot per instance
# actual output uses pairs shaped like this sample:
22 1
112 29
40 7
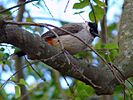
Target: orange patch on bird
49 40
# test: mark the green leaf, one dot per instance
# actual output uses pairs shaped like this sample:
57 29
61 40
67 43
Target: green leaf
13 79
98 13
118 89
2 49
77 98
23 82
6 55
81 5
29 19
17 49
110 28
113 51
100 3
79 12
83 91
111 46
17 91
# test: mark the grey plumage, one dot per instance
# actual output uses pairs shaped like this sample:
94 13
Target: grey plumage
72 44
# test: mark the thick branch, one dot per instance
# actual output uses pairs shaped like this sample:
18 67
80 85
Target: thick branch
37 48
125 58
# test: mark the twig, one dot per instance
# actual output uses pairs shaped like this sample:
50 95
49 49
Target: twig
119 79
44 60
66 6
48 8
93 11
2 86
71 89
3 11
8 16
35 70
122 75
40 85
82 17
90 81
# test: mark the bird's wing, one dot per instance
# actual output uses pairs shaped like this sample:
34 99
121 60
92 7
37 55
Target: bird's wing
73 28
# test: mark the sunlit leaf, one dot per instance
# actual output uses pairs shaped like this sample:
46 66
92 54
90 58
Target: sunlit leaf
23 82
13 79
17 91
81 5
29 19
98 13
100 3
83 91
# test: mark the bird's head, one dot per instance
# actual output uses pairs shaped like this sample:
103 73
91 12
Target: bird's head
93 28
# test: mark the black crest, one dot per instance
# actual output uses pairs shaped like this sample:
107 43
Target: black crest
93 29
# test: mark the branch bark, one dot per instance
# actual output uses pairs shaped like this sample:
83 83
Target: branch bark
125 40
102 77
37 48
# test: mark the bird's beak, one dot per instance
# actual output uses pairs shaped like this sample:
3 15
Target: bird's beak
98 35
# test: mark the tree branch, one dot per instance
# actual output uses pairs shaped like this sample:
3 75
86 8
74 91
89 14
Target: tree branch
102 78
125 40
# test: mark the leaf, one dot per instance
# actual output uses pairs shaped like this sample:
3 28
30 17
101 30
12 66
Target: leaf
111 46
29 19
81 5
23 82
79 12
17 91
100 3
83 91
113 51
118 89
2 49
6 55
111 27
77 98
98 13
17 49
13 79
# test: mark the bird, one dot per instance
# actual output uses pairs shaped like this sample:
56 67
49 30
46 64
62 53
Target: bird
86 31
